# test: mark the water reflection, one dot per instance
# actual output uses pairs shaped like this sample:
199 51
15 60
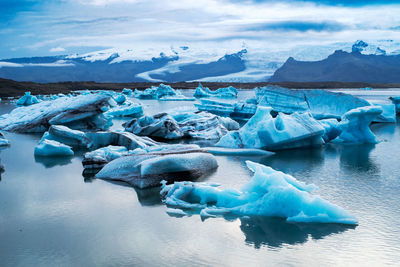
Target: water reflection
356 158
50 162
275 232
296 159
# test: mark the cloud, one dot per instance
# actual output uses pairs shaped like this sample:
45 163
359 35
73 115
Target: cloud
57 49
301 26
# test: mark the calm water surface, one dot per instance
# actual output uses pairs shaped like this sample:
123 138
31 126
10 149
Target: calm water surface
50 215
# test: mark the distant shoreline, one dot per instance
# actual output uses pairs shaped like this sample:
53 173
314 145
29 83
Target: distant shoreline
10 88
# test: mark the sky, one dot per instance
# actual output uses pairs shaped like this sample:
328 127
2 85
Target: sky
56 27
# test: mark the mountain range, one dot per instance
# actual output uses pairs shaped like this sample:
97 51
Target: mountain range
354 62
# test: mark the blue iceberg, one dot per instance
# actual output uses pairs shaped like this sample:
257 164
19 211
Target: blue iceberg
227 92
49 148
27 100
268 193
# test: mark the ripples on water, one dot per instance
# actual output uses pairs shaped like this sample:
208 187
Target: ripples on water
51 215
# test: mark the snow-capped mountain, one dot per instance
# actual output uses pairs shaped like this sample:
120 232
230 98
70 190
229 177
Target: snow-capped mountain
184 63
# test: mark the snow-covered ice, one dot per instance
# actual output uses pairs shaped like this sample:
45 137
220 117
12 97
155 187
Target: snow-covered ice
275 133
156 92
181 123
268 193
149 169
3 140
84 112
98 158
127 109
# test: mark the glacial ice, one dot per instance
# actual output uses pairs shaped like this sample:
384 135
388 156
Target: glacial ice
396 101
98 158
388 111
332 129
27 100
156 92
128 109
282 132
83 112
239 110
355 125
3 140
268 193
179 124
322 104
127 91
237 151
177 97
67 136
228 92
49 148
148 169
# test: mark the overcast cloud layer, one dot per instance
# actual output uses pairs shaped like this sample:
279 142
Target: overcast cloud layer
37 28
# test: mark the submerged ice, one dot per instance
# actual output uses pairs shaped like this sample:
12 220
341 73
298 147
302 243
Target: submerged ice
268 193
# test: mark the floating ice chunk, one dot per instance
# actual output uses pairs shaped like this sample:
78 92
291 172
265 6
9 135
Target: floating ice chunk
127 91
268 193
149 169
3 140
228 92
50 148
320 103
179 124
156 92
98 158
238 110
117 138
27 100
282 132
128 109
67 136
388 114
355 125
237 151
396 101
79 112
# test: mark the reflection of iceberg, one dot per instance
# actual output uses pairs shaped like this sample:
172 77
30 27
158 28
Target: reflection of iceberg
268 193
275 232
356 158
50 162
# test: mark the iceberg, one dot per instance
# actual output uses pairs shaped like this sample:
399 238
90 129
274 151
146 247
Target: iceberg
27 100
355 126
332 129
388 111
269 193
228 92
98 158
50 148
3 140
83 112
179 124
177 98
322 104
127 91
149 169
275 133
238 151
156 92
67 136
128 109
239 110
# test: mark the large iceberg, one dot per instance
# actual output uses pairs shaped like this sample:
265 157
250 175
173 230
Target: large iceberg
275 133
150 168
80 112
268 193
179 124
320 103
228 92
355 125
27 100
239 110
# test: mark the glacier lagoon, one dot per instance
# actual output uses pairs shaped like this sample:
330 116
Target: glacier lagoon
51 215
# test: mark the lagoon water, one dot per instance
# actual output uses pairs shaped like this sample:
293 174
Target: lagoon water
50 215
